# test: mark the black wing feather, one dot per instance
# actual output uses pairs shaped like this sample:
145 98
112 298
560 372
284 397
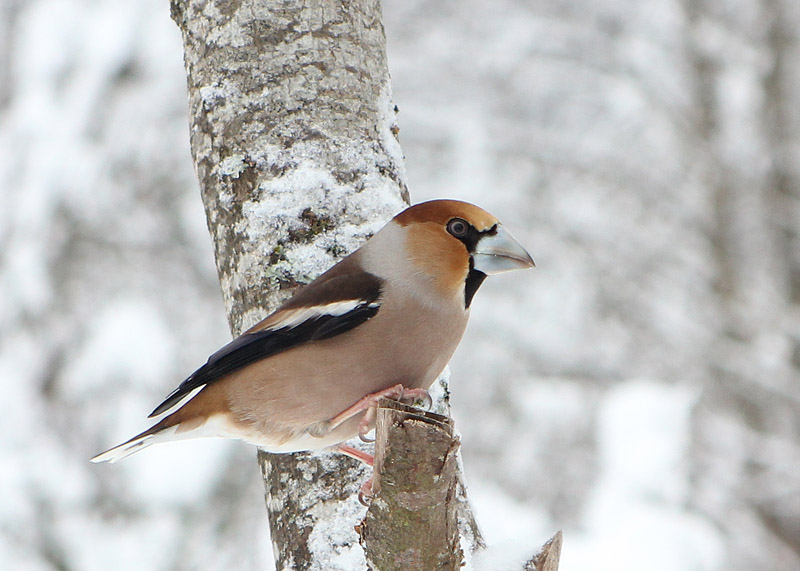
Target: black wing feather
343 323
252 347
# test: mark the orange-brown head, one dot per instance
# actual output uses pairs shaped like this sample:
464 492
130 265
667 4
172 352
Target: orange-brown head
457 244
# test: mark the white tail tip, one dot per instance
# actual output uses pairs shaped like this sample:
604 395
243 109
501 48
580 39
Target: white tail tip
123 450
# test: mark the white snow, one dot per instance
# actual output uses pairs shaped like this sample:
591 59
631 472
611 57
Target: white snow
637 515
334 535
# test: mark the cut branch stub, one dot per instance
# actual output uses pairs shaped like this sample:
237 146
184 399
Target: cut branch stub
548 557
412 522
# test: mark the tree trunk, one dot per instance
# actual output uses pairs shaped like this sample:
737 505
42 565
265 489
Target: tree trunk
294 142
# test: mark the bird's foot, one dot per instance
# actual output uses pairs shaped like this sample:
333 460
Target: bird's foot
397 392
369 406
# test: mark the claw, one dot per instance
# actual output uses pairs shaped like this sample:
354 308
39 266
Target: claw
366 420
426 401
365 493
412 396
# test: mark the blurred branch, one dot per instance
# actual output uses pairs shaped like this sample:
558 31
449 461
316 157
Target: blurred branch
548 557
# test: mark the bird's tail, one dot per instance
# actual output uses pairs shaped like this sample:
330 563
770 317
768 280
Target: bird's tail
160 432
123 450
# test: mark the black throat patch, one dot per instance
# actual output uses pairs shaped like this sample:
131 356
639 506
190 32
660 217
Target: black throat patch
474 277
472 283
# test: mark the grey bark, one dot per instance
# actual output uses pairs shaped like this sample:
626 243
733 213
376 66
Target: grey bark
294 143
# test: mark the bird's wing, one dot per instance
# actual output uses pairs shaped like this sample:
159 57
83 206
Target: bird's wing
330 306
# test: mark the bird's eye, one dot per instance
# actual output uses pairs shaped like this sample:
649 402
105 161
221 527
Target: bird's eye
458 227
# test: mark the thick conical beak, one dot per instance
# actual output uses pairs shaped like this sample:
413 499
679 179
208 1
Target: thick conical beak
499 252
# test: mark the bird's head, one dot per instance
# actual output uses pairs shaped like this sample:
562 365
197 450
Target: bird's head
458 244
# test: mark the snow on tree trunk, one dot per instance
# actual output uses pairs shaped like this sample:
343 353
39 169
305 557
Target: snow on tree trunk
294 142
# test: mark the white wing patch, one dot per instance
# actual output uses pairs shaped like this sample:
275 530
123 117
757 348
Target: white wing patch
290 318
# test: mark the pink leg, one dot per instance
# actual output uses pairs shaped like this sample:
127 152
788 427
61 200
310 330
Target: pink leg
364 457
369 404
365 493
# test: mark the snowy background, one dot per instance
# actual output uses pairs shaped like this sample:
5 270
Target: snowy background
639 389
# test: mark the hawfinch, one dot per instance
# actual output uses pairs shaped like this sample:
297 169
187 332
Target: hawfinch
384 321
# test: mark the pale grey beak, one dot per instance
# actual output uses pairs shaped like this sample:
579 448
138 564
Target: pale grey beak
499 252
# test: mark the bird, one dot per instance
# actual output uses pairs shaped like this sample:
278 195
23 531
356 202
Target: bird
383 321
